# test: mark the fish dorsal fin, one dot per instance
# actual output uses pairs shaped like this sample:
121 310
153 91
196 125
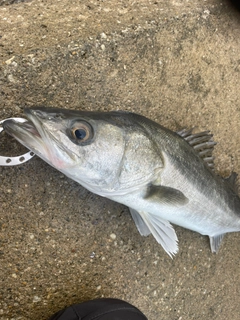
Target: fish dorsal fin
202 143
161 229
233 182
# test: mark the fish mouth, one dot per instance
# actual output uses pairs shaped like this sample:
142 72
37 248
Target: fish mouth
38 132
29 133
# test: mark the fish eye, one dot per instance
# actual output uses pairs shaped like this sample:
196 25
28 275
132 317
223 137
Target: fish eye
81 132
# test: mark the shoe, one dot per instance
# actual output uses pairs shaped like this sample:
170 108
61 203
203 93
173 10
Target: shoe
100 309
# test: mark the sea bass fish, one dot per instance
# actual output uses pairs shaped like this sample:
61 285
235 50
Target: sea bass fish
163 176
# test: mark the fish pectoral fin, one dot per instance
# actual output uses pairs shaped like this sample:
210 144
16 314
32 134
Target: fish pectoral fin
141 225
162 231
165 195
215 242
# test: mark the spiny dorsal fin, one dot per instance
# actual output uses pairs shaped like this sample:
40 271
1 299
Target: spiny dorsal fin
202 143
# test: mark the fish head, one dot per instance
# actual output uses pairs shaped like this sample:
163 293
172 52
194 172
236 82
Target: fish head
106 152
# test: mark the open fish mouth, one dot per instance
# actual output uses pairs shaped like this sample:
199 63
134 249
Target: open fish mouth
29 127
39 134
29 133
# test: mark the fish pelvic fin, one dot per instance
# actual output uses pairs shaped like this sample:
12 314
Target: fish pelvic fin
161 229
215 242
141 225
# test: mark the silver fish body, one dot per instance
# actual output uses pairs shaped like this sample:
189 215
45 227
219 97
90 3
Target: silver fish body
162 176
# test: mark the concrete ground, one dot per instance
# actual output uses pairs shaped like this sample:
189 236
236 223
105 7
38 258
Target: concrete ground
176 62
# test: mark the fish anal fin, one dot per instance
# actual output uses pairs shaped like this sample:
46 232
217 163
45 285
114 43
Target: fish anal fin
202 143
141 225
161 229
165 195
215 242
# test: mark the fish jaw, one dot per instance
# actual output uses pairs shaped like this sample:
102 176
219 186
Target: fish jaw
26 134
35 136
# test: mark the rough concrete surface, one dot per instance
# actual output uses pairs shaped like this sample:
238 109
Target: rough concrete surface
176 62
